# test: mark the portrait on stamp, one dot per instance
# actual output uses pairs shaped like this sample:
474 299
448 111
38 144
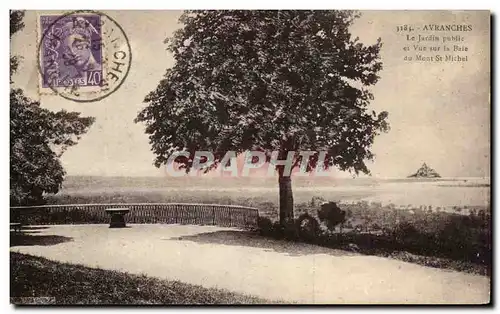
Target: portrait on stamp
71 50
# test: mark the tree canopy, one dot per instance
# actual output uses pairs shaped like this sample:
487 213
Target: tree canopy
38 137
269 81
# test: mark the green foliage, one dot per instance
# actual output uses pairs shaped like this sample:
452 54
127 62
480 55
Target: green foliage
16 21
38 137
267 80
331 215
265 226
404 231
16 24
304 228
308 227
438 239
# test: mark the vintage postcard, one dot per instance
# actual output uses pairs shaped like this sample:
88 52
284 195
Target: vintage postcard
250 157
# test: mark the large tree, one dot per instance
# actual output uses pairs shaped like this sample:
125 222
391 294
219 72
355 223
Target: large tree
270 81
38 137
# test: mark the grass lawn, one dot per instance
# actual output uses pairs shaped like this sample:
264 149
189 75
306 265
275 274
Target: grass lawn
72 284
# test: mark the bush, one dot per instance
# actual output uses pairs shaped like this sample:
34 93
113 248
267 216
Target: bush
268 228
308 227
375 227
404 231
305 228
458 237
316 200
265 226
331 215
289 230
466 238
358 228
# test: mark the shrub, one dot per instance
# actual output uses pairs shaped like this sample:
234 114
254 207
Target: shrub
331 215
441 234
481 214
316 200
375 227
308 227
289 230
268 228
404 231
358 228
305 227
265 226
466 238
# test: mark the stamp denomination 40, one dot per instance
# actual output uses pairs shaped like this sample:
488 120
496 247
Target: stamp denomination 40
83 55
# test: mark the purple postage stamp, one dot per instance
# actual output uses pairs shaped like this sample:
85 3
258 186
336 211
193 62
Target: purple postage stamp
71 50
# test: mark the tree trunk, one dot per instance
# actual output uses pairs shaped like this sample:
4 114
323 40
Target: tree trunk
286 198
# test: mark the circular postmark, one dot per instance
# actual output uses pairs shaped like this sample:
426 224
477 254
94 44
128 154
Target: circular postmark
83 55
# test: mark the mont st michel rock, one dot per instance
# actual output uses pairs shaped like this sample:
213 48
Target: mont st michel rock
425 172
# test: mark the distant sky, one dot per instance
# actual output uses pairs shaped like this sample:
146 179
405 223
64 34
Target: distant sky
439 112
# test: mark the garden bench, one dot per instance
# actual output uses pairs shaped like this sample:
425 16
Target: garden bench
117 217
16 226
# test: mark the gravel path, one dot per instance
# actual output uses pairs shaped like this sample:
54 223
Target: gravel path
241 262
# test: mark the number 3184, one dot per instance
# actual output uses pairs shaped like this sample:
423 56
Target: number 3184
404 28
